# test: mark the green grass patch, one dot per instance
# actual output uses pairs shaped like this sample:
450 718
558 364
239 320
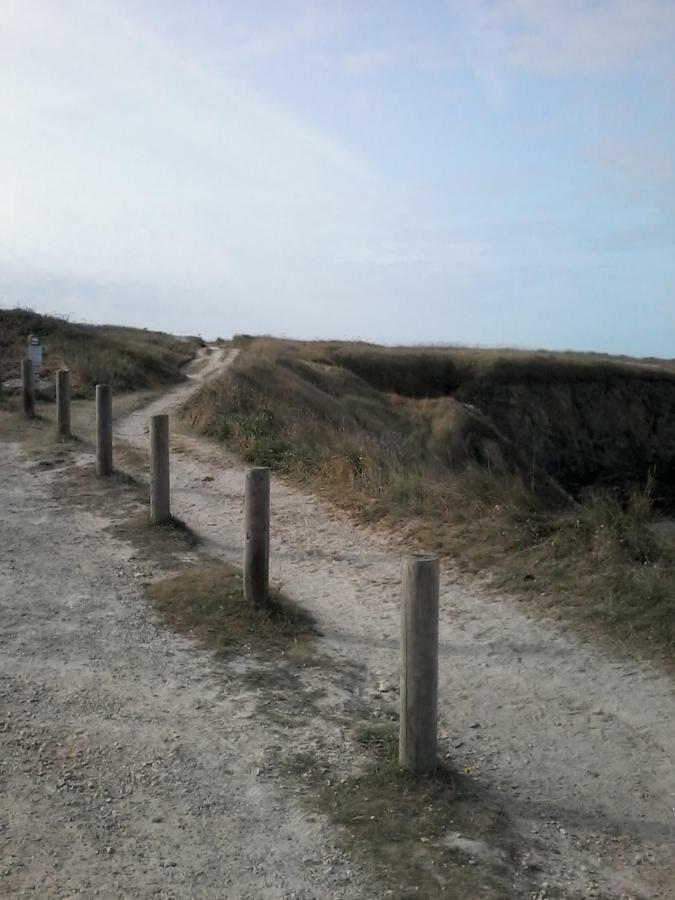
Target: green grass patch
206 601
436 836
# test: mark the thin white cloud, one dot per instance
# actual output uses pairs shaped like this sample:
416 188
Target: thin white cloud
360 62
557 37
644 163
238 38
122 157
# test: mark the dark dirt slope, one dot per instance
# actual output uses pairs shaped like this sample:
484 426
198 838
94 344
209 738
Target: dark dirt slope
604 425
583 418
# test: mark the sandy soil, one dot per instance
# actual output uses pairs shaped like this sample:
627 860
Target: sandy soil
135 765
130 766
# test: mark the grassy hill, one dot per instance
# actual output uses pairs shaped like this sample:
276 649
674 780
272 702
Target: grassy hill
546 471
127 358
586 419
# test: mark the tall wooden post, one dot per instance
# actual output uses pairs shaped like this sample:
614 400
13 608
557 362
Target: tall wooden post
28 387
63 402
104 449
257 543
160 499
419 663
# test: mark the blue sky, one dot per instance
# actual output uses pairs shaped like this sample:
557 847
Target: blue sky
475 172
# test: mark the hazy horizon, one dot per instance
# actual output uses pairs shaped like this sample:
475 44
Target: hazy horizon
471 173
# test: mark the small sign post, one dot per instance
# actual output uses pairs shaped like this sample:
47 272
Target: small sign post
34 354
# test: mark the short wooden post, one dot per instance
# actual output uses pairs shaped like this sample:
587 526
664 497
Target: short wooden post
28 387
419 663
160 489
63 402
104 449
257 544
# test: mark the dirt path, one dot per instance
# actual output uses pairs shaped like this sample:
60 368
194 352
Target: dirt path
577 745
131 765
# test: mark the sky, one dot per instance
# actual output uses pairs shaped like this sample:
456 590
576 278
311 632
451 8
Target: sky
492 172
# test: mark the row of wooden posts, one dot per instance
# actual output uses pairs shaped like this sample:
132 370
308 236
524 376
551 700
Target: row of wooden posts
420 594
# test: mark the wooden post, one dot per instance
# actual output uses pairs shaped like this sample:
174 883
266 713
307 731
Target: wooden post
419 663
160 489
257 544
63 402
104 449
28 387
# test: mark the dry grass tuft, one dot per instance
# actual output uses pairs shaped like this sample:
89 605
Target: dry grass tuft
206 601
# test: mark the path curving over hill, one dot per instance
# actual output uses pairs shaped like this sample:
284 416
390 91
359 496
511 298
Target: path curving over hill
577 745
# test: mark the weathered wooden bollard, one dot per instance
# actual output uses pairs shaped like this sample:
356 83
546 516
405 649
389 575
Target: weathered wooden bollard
419 663
257 543
160 488
63 402
104 448
28 387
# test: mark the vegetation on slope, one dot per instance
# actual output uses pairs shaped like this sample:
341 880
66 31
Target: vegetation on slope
127 358
584 418
445 472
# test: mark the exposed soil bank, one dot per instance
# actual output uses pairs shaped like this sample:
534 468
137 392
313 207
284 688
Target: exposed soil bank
614 429
585 420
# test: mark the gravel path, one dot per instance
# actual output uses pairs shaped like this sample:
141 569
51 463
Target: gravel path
131 765
579 746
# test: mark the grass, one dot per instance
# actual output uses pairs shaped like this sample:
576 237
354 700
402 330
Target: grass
585 419
442 471
130 359
206 601
40 431
37 433
409 825
439 371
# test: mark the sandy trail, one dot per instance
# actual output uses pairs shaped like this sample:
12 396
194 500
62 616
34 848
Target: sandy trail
131 764
578 745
